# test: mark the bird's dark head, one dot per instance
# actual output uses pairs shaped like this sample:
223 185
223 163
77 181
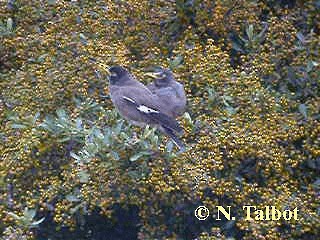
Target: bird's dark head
118 74
162 76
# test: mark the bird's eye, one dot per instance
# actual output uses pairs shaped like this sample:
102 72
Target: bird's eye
113 74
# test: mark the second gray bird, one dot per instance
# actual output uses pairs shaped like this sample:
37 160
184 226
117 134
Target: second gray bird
171 93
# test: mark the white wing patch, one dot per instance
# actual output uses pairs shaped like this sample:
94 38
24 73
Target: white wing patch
146 109
128 99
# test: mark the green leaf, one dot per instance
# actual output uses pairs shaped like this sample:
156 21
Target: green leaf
169 146
155 139
147 132
115 155
75 156
124 135
316 184
249 31
79 124
9 24
303 110
237 47
83 177
97 132
36 223
48 124
231 110
64 139
51 2
311 65
107 139
261 36
42 57
187 116
301 37
136 156
18 126
29 213
14 215
228 98
134 174
61 113
118 128
72 198
76 208
83 39
35 118
176 61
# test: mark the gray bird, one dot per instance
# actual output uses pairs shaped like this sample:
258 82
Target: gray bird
136 103
171 93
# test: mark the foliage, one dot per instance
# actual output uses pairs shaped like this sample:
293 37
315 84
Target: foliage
26 221
251 71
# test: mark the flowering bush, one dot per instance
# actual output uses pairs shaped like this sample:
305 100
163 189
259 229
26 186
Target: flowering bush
69 162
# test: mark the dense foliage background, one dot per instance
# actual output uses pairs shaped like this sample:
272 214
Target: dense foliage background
71 168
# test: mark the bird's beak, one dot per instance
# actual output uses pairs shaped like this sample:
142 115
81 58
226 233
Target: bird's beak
103 67
153 74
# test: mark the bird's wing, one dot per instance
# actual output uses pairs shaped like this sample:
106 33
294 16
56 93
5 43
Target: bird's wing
139 104
134 83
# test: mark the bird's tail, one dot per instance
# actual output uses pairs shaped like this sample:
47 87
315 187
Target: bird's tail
174 138
167 122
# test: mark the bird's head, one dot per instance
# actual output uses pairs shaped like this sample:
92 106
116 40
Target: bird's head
117 74
162 76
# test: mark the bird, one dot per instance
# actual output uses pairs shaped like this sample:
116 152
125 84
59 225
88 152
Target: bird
170 92
137 104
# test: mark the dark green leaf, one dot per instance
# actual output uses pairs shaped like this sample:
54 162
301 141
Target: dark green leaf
76 208
237 47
